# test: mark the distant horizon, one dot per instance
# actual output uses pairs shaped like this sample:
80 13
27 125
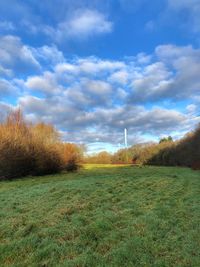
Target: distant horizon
93 69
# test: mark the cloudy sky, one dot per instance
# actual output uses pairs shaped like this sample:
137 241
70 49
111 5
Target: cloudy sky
93 68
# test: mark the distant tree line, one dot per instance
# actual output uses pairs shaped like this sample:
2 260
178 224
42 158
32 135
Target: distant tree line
37 149
184 152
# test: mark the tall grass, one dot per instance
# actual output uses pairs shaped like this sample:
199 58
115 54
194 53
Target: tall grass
27 149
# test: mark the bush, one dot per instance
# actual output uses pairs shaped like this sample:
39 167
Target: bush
27 149
72 165
72 156
16 149
47 160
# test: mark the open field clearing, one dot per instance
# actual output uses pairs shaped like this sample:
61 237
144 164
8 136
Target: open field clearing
115 216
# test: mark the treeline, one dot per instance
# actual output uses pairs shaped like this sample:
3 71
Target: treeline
184 152
34 149
137 154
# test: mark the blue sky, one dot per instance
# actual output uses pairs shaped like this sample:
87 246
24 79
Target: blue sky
93 68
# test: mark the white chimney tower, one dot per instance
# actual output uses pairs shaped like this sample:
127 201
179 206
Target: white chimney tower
125 138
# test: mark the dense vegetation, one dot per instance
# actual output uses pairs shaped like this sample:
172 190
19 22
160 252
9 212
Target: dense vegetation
27 149
36 149
116 216
184 152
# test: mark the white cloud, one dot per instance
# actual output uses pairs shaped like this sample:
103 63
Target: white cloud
88 22
143 58
152 83
95 65
119 77
172 76
33 104
172 52
89 93
82 95
104 123
89 65
98 87
46 83
185 64
82 24
5 72
191 109
15 56
48 54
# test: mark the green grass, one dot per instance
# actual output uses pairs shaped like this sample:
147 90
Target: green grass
116 216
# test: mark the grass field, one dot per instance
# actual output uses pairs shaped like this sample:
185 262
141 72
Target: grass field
102 216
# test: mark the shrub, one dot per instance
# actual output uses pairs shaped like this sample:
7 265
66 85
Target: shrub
16 149
72 165
27 149
47 160
72 156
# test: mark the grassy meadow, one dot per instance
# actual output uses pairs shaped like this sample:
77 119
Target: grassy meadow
103 215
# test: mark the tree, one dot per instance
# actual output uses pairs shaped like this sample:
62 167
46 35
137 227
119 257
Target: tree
166 139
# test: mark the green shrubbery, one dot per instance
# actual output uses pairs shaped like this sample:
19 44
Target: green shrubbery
27 149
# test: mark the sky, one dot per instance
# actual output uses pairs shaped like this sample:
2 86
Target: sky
93 68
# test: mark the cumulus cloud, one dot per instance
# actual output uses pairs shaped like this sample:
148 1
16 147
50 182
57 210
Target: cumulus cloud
119 77
18 58
191 109
48 54
15 56
185 63
46 84
82 24
88 22
152 83
172 76
91 94
104 124
91 65
95 99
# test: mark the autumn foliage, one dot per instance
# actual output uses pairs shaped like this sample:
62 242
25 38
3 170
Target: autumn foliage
72 156
184 152
27 149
